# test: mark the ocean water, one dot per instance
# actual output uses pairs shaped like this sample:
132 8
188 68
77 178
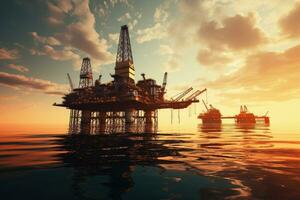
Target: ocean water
226 161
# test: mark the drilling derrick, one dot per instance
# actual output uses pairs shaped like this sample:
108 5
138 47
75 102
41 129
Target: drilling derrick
124 62
120 105
86 80
80 120
86 74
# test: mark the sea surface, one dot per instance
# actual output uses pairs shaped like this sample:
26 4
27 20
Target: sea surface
226 161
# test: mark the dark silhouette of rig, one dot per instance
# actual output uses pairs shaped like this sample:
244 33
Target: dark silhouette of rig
120 105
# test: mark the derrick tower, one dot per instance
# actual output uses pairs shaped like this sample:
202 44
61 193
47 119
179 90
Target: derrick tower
124 62
80 120
86 74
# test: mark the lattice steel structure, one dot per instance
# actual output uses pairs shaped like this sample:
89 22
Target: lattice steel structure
75 120
86 74
124 61
112 122
80 119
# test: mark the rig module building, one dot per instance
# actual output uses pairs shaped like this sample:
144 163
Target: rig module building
121 105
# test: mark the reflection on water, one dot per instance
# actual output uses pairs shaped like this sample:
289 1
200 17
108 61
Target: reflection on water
244 161
210 127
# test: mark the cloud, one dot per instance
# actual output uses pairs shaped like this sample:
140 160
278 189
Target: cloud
157 31
19 68
45 40
6 54
6 97
173 63
64 54
56 92
124 17
290 23
78 34
22 82
213 58
57 12
65 5
113 2
83 36
36 52
236 33
165 50
191 14
138 15
132 24
265 76
214 31
160 15
114 37
105 8
182 29
102 12
61 55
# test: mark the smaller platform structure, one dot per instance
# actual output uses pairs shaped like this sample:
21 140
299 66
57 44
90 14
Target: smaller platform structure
213 115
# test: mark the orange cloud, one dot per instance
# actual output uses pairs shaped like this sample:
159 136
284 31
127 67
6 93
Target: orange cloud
290 24
235 33
45 40
6 54
62 54
266 76
7 97
19 68
213 58
20 82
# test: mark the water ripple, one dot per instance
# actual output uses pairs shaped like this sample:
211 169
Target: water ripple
219 161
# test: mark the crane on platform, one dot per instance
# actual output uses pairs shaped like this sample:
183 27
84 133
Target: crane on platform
182 94
195 94
266 113
143 75
70 82
98 81
205 105
164 81
243 109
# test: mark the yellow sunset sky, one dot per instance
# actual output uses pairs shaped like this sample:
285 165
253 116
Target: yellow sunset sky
243 52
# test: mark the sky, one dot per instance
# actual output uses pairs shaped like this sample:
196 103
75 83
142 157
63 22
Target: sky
243 53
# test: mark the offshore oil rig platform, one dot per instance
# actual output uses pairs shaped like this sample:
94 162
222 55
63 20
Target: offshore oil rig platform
121 105
213 115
